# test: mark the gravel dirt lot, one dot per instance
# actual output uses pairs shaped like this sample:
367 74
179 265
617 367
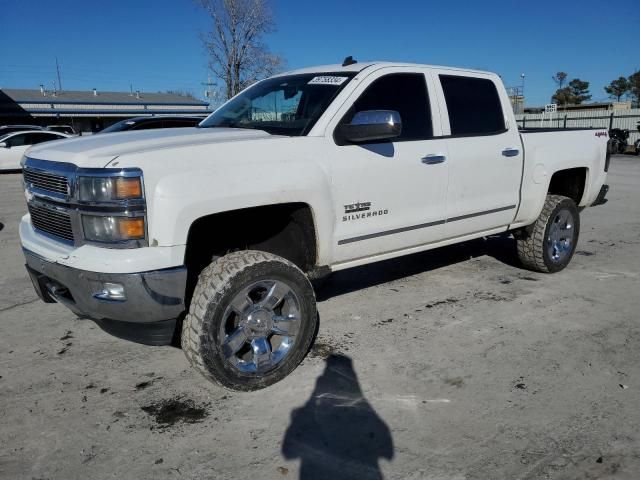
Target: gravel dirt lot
451 364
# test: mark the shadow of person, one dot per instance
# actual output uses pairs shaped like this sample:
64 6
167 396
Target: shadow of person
337 434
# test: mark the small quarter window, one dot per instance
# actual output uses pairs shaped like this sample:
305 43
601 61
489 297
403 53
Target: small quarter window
473 104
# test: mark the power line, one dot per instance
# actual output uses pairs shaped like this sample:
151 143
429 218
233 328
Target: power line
209 84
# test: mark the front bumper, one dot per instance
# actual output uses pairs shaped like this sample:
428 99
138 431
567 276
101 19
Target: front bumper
154 300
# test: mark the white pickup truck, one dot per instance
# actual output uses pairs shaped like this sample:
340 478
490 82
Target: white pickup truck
213 233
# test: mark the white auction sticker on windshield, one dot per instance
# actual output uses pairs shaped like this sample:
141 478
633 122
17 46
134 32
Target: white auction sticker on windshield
328 80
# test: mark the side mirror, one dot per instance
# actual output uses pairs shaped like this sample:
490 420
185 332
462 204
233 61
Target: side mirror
371 125
4 145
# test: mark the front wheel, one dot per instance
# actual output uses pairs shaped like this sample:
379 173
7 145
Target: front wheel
251 321
548 244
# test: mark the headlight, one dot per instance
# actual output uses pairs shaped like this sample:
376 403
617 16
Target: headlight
108 189
112 229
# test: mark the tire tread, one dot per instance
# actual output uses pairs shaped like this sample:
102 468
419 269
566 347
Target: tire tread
212 285
530 243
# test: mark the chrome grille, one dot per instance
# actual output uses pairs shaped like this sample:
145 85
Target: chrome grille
47 181
53 222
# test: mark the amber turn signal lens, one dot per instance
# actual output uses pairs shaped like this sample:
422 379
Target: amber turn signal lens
128 188
131 228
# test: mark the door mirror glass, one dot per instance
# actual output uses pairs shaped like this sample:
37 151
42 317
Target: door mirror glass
372 125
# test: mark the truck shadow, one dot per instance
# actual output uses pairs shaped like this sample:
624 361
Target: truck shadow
337 434
500 247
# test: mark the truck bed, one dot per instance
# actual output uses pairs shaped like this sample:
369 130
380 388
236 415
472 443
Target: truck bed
555 149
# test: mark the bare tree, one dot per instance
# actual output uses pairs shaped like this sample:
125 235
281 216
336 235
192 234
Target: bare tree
237 54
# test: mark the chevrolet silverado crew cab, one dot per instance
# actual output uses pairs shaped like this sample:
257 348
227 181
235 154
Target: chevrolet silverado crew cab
211 235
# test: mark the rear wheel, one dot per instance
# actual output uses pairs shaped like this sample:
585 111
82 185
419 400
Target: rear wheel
548 244
251 321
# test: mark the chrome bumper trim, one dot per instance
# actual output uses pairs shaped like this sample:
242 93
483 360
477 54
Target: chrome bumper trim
150 296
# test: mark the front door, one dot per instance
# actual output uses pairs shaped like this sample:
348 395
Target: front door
389 195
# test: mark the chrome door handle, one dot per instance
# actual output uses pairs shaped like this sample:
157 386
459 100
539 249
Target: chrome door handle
510 152
433 159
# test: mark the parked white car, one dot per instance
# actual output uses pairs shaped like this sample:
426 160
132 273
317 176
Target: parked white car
68 129
14 145
214 233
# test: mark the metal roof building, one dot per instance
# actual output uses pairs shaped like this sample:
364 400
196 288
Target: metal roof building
90 110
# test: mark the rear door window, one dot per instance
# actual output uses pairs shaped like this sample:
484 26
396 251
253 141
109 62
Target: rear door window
473 104
17 140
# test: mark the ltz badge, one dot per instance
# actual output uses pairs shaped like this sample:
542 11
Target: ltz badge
361 210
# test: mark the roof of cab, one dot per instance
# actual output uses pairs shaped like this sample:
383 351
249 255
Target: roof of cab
358 67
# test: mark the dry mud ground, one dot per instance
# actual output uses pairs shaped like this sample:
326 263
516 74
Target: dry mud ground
452 364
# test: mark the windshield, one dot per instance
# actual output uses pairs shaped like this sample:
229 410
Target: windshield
287 105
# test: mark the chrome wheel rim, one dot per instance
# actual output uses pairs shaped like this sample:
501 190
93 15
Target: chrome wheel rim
260 326
560 236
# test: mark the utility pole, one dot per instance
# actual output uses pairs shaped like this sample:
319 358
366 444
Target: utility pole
522 76
208 92
58 71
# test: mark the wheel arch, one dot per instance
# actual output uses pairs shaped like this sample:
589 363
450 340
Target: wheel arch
570 182
288 230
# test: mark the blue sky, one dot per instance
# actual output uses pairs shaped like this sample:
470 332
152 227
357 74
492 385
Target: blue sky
154 45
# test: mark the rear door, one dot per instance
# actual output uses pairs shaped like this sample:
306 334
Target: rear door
484 152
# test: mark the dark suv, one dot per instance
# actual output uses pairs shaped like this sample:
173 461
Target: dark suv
148 123
68 129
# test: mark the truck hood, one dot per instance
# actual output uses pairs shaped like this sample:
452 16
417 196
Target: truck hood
96 151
